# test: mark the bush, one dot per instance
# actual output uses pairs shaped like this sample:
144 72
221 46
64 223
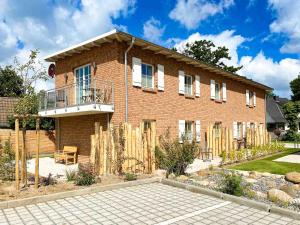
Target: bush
231 184
7 164
85 175
46 181
174 156
130 177
291 136
71 175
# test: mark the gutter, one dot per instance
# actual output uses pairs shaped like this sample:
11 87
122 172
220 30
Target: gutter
126 79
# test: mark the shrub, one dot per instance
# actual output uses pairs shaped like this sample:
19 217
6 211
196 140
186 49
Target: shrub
130 177
231 184
174 156
46 181
291 136
85 175
224 157
71 175
7 164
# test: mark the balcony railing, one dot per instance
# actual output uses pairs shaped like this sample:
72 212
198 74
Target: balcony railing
82 93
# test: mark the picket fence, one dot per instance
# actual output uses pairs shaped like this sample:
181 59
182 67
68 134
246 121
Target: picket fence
125 149
221 139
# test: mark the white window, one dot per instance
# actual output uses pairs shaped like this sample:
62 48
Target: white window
250 98
147 76
217 128
147 124
83 83
239 130
217 91
188 130
188 85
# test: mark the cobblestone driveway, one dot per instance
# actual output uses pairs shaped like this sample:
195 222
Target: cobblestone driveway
153 203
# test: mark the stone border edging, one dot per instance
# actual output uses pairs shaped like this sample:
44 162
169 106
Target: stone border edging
235 199
66 194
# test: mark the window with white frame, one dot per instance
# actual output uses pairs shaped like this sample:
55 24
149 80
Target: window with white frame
147 124
217 128
147 76
189 130
188 85
217 91
239 130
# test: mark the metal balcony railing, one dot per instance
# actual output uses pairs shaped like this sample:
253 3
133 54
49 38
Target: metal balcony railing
82 93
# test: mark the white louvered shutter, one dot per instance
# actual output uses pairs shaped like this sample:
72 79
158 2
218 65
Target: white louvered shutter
181 133
254 98
198 131
212 89
224 92
160 77
136 72
181 82
235 130
247 97
244 129
197 81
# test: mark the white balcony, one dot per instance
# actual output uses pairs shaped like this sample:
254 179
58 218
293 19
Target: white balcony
87 97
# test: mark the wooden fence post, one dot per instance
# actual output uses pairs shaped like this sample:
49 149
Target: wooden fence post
37 154
17 154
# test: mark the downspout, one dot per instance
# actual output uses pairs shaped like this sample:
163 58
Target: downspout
126 80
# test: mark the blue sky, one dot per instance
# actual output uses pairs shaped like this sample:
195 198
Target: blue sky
262 35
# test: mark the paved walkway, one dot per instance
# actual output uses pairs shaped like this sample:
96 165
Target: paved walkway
144 204
292 158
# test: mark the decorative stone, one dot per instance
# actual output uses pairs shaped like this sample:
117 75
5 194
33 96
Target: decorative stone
182 178
250 180
266 174
171 176
253 174
296 187
293 177
261 194
160 173
289 190
243 173
295 201
270 183
203 182
278 195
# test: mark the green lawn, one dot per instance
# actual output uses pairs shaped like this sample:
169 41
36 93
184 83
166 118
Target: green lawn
268 165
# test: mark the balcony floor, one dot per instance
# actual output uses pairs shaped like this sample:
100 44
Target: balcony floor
77 110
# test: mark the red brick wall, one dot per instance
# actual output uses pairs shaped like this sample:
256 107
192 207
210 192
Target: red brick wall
166 107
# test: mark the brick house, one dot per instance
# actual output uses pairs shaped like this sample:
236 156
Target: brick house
175 91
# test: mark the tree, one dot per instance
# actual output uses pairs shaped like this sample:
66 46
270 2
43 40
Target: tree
295 88
206 51
11 85
291 111
31 71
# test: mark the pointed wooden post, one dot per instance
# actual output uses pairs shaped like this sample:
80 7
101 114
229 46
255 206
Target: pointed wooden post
17 154
37 154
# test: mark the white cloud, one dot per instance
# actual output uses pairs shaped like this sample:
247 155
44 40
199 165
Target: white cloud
276 74
226 38
190 13
287 22
153 30
52 25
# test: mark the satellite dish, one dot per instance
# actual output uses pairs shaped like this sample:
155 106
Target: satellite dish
51 70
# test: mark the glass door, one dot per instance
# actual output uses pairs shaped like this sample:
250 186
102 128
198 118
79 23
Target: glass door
83 84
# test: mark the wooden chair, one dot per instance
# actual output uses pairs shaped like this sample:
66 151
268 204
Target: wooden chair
68 153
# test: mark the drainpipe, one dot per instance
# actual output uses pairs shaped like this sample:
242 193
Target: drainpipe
126 81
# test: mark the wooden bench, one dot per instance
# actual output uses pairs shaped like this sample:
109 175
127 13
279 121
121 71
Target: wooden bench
67 154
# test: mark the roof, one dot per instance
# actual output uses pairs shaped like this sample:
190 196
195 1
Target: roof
122 36
274 111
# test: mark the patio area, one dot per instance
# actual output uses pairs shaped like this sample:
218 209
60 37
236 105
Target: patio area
292 158
47 165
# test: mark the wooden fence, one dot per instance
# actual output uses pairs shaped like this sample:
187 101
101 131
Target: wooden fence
125 149
221 139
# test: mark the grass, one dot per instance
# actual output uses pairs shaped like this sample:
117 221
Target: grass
268 165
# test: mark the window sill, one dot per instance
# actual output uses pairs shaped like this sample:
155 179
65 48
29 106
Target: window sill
251 106
218 101
189 96
150 90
